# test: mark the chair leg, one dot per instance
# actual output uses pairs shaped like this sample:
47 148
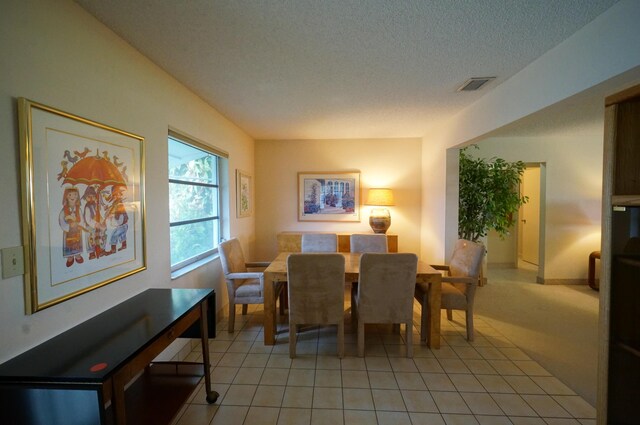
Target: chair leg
281 302
409 338
293 328
285 292
244 309
283 298
354 307
469 316
360 338
449 314
232 316
341 339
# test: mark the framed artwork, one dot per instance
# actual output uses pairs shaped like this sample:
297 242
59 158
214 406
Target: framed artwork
82 204
243 194
329 196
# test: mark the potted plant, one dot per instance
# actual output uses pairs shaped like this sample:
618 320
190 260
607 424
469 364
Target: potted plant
489 195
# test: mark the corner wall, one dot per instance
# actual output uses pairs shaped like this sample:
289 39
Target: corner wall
55 53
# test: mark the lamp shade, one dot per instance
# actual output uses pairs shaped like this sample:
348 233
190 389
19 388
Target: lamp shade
380 197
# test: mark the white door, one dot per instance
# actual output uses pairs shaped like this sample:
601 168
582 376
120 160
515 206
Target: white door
530 215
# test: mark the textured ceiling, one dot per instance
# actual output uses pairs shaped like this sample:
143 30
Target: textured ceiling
300 69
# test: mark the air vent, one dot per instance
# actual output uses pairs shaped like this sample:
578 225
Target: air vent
475 83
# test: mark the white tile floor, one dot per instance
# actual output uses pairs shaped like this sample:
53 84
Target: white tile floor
487 382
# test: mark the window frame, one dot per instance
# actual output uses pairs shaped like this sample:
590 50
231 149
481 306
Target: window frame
217 155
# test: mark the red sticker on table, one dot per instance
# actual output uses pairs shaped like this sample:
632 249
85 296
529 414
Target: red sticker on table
98 367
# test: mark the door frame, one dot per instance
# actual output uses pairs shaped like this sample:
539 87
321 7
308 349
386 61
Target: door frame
542 215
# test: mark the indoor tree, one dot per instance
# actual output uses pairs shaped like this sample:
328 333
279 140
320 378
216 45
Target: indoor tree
489 195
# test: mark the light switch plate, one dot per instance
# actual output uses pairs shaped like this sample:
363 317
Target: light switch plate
12 262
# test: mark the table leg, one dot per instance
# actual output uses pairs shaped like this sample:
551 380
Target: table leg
120 379
212 396
269 310
435 300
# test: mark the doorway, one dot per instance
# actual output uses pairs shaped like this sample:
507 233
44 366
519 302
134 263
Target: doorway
530 244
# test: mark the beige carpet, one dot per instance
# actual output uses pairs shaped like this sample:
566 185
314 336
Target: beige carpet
556 325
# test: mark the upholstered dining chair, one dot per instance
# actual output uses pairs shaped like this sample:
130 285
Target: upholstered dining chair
243 286
316 294
385 293
360 243
368 243
319 242
458 284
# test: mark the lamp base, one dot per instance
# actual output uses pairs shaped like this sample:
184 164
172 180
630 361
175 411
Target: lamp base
380 220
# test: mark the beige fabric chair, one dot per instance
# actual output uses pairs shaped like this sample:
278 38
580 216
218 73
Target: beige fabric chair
316 294
458 284
360 243
319 242
368 243
385 293
243 286
314 242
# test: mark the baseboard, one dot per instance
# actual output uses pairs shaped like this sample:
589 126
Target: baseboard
502 265
561 281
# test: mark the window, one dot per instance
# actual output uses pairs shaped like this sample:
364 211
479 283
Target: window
194 200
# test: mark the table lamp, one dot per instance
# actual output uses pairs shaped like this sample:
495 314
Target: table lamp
380 219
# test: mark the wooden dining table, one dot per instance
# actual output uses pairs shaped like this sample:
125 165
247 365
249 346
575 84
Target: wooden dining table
277 272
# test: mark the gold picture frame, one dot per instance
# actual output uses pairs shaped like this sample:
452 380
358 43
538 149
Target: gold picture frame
329 196
83 214
244 190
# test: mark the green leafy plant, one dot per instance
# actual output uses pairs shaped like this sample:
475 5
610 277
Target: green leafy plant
489 195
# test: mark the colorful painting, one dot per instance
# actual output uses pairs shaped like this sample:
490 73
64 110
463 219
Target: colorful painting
83 204
243 194
329 196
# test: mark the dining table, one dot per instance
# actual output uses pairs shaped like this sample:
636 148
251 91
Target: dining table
277 272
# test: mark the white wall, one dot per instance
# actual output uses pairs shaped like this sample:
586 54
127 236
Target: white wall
55 53
573 196
393 163
602 49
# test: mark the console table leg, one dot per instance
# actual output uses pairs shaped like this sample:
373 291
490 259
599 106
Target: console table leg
212 396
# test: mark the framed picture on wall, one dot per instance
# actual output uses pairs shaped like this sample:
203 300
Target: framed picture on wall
82 204
330 196
243 194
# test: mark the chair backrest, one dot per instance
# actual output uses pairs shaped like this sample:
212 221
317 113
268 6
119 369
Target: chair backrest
386 287
231 256
369 243
466 259
319 242
316 287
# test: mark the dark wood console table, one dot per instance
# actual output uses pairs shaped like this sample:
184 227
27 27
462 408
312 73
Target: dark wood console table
85 375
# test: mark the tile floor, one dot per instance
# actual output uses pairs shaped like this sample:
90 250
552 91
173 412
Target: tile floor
487 382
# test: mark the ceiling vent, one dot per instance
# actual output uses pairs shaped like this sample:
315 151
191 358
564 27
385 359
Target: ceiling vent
475 83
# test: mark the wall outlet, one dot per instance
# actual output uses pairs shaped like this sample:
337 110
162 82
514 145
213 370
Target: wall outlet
12 262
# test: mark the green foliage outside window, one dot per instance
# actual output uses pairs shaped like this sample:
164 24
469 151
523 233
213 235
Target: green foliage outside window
193 195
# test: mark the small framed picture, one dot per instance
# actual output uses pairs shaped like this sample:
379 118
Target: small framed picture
243 194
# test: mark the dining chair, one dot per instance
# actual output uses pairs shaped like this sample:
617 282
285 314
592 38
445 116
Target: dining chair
314 242
368 243
360 243
316 294
243 286
385 293
319 242
458 285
